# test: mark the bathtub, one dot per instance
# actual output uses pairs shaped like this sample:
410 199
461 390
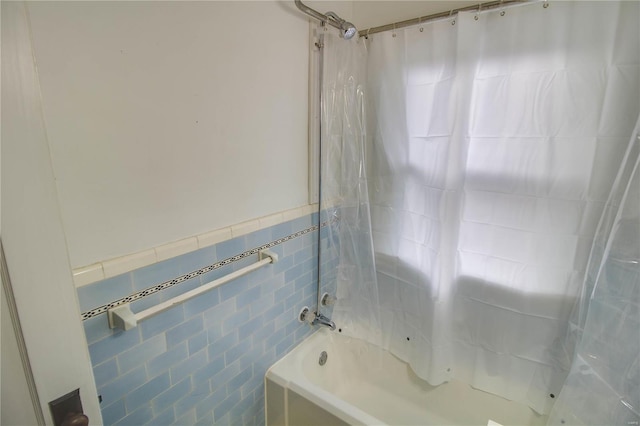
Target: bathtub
359 383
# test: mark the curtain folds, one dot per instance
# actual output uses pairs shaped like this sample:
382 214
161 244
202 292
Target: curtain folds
603 386
493 146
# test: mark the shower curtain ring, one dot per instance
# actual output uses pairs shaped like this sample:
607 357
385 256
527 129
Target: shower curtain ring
453 21
545 4
394 30
478 12
420 22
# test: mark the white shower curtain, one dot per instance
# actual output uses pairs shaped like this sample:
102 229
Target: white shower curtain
495 140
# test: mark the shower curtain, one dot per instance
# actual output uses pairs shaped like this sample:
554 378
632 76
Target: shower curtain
494 141
346 260
603 386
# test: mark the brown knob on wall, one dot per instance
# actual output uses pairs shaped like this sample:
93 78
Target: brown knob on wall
76 419
67 410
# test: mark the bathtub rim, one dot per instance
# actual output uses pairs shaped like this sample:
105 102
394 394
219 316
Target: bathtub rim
292 377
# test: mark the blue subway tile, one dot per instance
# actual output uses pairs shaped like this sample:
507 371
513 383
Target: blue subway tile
188 403
233 288
284 346
219 313
253 384
283 292
291 274
181 288
201 303
230 248
209 370
292 246
261 304
235 352
105 291
198 259
188 366
258 238
214 332
113 412
227 404
207 419
165 361
105 372
303 223
247 297
220 379
240 408
281 230
122 385
146 302
248 358
155 274
249 327
162 321
211 401
234 320
139 417
283 264
147 392
216 273
222 344
185 416
197 342
141 353
276 337
165 418
294 300
240 379
184 331
118 342
96 328
265 331
273 311
171 395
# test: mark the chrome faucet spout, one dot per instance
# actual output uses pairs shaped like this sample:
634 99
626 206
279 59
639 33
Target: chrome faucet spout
323 321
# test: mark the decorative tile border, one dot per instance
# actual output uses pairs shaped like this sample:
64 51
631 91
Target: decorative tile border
170 283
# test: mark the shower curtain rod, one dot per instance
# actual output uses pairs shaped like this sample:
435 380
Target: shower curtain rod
427 18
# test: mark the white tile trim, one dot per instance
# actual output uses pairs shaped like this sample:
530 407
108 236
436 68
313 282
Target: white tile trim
167 251
123 264
109 268
88 274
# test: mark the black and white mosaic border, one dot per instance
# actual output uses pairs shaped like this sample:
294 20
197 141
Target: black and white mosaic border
170 283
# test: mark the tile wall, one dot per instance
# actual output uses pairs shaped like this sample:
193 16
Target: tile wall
202 362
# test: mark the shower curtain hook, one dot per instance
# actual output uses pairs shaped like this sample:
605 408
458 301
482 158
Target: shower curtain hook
394 30
502 11
420 22
478 12
453 21
545 4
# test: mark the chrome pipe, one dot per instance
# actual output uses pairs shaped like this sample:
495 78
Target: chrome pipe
347 29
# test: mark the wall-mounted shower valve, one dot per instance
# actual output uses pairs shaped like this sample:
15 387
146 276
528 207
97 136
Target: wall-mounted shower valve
306 315
327 300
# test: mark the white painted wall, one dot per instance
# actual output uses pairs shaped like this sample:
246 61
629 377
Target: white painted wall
170 119
32 232
367 14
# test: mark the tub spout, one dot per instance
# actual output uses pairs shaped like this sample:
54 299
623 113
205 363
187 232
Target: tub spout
323 321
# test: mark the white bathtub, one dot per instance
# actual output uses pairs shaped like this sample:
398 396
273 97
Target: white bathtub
363 384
